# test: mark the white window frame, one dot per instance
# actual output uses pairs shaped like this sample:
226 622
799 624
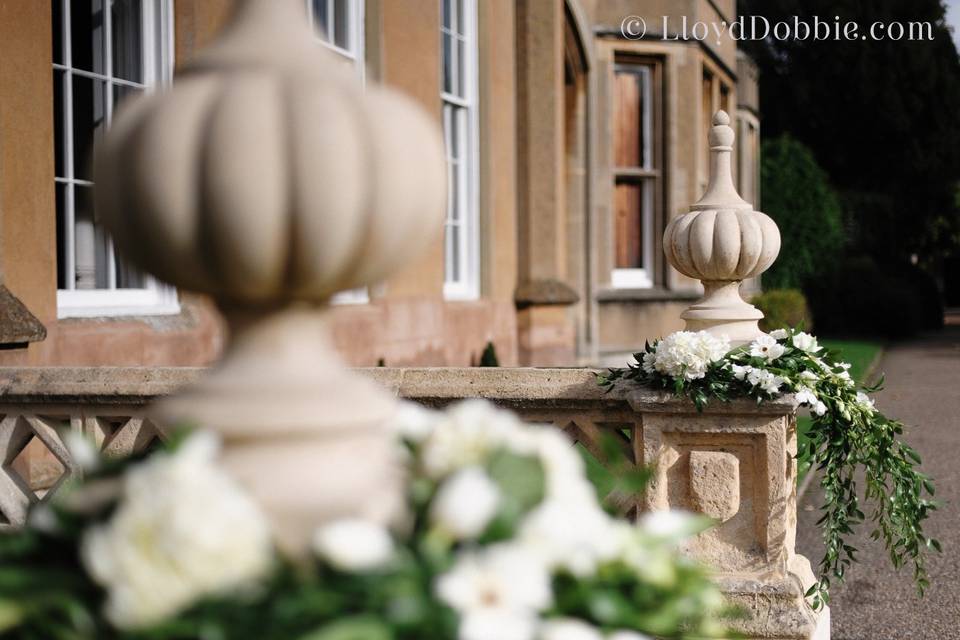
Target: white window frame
467 286
355 52
641 278
157 298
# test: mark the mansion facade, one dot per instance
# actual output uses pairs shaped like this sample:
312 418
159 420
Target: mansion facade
570 145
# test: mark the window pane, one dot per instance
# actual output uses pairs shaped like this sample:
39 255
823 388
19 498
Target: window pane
57 24
633 109
127 39
89 121
62 265
460 15
459 84
59 113
447 55
87 35
452 242
91 246
445 11
121 92
321 19
631 208
341 24
128 277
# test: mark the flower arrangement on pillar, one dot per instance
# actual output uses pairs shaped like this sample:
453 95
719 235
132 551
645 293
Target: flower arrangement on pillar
723 355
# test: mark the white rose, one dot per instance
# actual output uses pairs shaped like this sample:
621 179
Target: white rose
628 635
570 535
504 579
414 422
671 524
806 343
778 334
495 624
766 347
465 503
353 545
183 530
569 629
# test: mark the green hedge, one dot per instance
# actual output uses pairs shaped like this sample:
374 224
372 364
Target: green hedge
798 196
782 309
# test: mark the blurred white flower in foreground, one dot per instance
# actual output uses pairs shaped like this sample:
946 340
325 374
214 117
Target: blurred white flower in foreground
465 503
497 591
353 545
569 629
183 530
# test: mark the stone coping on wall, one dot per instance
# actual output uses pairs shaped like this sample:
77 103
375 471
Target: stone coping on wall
513 387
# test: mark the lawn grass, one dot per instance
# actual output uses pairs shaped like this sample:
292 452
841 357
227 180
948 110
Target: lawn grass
860 354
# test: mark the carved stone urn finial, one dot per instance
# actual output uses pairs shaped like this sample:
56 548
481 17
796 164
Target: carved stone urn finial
722 241
270 180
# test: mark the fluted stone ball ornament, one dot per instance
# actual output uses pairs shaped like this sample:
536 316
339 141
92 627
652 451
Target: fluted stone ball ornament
269 179
722 241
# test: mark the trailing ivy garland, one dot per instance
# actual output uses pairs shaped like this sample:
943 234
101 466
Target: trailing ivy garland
848 434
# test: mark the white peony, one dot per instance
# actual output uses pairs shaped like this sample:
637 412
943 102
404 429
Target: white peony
569 629
353 545
779 334
182 530
806 342
688 354
465 503
766 380
766 347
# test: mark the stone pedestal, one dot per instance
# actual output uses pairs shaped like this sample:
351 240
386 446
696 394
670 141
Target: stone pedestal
736 463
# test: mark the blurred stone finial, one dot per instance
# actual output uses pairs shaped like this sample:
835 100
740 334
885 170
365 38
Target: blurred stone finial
269 179
722 241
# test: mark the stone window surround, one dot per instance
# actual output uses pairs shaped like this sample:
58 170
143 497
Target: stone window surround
155 298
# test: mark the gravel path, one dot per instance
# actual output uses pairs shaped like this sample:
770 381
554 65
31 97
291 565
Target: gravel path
877 603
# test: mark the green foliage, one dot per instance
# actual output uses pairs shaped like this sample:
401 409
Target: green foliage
489 356
798 196
880 117
46 592
783 308
847 436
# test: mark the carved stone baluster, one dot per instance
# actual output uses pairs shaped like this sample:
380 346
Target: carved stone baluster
268 179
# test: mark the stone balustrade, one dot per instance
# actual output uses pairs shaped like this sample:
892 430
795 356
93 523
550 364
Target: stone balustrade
734 463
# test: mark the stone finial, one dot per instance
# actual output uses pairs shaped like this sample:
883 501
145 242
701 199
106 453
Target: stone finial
722 241
269 179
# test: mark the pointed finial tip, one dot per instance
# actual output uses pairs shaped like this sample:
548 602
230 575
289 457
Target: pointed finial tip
721 119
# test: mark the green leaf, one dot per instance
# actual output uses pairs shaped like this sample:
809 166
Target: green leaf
358 628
